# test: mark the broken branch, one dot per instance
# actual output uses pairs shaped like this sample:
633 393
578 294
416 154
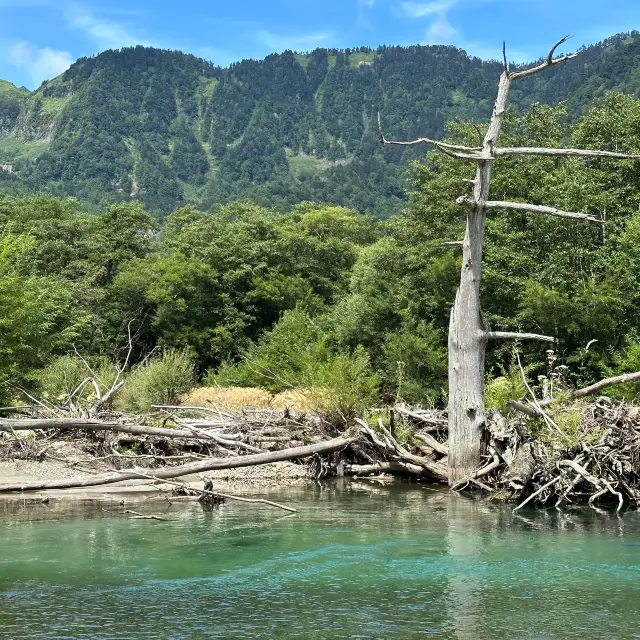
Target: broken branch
607 382
329 446
549 62
544 151
510 335
528 208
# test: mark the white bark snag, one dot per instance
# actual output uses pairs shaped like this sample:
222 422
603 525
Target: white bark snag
467 331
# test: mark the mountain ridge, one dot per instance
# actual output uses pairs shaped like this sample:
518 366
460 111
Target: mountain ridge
169 128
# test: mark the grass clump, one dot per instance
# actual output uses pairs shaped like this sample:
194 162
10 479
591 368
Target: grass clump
162 380
571 420
296 358
235 398
239 398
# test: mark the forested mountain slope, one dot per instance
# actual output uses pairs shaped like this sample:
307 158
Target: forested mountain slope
168 128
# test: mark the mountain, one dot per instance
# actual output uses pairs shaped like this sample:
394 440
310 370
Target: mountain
169 128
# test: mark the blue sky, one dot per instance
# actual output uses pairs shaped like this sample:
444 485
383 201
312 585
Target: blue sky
41 38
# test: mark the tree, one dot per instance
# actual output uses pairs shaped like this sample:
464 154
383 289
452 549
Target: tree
37 315
468 332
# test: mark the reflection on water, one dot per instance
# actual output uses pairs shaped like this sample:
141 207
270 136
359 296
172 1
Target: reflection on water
356 561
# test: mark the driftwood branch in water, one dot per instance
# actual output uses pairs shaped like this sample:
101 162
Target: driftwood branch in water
394 467
536 493
215 494
329 446
141 516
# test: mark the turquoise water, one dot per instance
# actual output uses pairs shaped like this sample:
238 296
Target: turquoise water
382 563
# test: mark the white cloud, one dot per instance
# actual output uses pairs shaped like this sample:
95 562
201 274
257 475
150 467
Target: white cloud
300 42
440 31
424 9
40 64
105 33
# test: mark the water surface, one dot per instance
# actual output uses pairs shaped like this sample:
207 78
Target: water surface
356 561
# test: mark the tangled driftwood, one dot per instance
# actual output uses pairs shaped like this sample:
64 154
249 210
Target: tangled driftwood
530 459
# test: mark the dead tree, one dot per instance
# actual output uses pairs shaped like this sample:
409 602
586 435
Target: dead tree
468 334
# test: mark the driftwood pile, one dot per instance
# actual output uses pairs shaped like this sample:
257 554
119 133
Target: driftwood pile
599 462
531 459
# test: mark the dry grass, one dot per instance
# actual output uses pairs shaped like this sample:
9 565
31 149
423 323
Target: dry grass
295 399
242 397
230 397
238 398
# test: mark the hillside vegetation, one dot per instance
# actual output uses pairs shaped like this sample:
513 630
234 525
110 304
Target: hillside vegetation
322 297
168 129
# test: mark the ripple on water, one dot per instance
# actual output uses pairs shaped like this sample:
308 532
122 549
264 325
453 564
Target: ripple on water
401 563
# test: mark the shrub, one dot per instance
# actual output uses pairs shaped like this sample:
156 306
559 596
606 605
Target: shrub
509 386
342 386
295 357
627 361
280 360
162 380
415 364
62 377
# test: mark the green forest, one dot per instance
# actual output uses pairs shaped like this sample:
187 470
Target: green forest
318 295
169 129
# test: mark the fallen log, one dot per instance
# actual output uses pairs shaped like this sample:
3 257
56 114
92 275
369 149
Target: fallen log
533 411
430 441
417 415
94 425
329 446
436 470
607 382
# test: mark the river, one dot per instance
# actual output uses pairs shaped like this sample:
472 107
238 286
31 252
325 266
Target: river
357 561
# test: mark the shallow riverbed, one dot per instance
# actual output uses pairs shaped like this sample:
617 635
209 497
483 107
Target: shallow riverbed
356 561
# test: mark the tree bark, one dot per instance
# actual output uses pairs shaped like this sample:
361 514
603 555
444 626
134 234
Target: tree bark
186 469
467 331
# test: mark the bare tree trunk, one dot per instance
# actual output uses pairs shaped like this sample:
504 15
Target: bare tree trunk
467 331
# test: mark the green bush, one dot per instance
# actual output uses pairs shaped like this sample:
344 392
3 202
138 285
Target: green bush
342 386
162 380
509 386
64 374
281 360
626 361
295 354
415 364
